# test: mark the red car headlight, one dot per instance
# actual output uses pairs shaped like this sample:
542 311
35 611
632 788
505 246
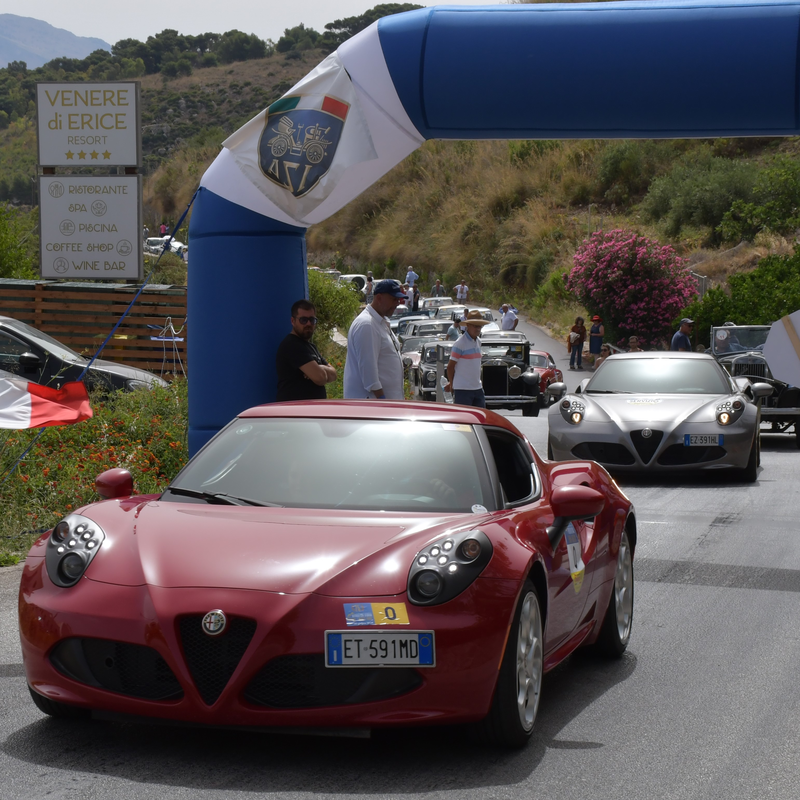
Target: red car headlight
445 568
73 544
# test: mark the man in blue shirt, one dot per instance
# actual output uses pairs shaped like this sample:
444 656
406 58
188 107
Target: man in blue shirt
681 341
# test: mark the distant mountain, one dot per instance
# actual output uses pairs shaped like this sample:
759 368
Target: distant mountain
36 42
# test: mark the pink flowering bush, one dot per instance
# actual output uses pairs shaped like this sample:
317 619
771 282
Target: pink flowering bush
635 284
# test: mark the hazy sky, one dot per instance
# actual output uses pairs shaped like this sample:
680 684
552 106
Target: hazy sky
112 21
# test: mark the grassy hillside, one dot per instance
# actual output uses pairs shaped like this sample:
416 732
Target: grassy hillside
506 216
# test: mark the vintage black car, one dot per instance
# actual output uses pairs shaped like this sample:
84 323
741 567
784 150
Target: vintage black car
509 380
423 377
740 349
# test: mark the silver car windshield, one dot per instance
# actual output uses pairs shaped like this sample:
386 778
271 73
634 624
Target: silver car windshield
660 376
371 465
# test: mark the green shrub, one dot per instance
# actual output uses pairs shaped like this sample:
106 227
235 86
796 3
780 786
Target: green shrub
775 204
698 191
143 431
626 168
760 297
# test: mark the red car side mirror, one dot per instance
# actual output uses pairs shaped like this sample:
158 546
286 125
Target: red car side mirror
570 503
114 483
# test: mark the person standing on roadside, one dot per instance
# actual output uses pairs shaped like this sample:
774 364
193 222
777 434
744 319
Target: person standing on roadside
462 291
369 290
302 371
374 367
464 366
605 352
411 276
633 345
681 340
416 298
508 320
596 334
575 340
437 290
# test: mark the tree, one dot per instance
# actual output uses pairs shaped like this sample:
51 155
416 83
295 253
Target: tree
297 38
237 46
15 256
635 284
341 30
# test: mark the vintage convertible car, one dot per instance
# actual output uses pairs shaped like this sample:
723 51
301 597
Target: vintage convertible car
293 575
669 412
509 380
740 349
545 366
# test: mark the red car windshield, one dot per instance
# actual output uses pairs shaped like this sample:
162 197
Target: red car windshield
376 465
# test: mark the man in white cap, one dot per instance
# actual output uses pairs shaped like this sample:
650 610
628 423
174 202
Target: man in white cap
464 366
374 367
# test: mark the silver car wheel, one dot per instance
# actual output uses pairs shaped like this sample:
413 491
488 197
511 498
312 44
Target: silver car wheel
623 590
530 661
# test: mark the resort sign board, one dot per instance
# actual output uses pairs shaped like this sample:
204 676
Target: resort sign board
89 124
90 227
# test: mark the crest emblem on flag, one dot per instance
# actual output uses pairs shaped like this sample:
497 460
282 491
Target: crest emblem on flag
299 140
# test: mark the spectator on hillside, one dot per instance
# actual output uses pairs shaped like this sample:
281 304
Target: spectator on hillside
411 276
462 291
437 290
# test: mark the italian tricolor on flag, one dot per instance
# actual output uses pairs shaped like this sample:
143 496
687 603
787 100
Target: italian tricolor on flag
29 405
323 103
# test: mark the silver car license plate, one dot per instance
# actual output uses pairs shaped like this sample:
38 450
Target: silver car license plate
379 649
702 439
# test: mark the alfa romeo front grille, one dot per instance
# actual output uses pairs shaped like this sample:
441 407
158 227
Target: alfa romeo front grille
213 659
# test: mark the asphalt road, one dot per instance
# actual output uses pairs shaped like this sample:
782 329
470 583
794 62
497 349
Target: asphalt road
703 705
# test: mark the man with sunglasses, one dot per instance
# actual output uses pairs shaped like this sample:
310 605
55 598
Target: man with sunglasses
302 371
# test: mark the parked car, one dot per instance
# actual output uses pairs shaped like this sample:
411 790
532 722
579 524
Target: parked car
509 380
265 588
545 366
740 349
412 348
34 356
401 312
155 245
423 378
659 412
427 327
435 302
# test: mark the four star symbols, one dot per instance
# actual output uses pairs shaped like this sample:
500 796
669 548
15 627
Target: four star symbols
82 155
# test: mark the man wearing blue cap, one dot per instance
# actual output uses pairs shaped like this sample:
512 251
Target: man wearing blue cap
374 367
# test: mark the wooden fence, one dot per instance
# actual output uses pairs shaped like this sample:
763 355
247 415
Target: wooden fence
81 315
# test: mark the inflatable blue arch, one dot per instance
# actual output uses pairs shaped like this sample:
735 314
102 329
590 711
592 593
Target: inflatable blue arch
601 70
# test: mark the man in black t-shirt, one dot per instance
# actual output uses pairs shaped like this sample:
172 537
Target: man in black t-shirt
302 371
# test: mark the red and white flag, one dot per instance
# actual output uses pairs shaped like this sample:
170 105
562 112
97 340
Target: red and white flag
29 405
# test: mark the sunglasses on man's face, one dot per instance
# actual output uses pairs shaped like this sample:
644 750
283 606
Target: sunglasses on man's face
306 320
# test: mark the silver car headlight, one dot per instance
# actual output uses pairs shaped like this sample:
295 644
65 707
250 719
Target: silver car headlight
573 411
729 411
73 544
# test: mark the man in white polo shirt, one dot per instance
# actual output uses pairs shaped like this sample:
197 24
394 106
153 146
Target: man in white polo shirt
374 367
464 366
508 321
